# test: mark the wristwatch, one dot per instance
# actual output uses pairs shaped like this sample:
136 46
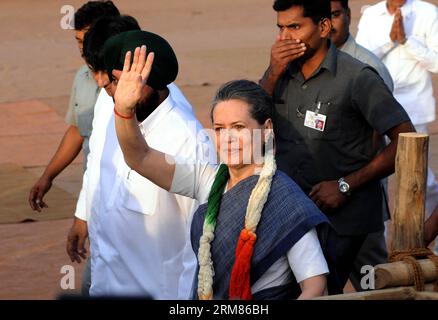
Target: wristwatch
344 187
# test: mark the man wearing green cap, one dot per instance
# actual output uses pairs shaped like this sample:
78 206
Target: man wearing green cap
138 231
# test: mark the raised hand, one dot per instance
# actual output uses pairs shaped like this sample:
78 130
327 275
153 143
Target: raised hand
394 29
401 35
283 52
131 80
398 30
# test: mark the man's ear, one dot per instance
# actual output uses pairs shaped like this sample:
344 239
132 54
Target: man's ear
325 27
349 16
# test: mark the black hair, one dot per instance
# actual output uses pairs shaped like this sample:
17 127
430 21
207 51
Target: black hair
99 32
314 9
344 3
93 10
260 102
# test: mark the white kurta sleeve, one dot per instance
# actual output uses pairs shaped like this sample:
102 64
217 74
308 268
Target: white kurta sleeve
380 45
81 205
425 50
193 179
306 258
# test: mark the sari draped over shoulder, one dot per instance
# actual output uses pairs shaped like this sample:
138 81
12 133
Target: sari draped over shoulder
287 216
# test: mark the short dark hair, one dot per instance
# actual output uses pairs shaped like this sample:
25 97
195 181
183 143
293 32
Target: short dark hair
93 10
314 9
344 3
260 102
99 32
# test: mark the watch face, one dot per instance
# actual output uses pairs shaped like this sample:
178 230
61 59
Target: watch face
343 187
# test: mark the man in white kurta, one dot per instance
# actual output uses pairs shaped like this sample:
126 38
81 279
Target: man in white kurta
411 58
139 232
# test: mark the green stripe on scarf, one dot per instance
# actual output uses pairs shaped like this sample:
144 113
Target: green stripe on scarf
215 196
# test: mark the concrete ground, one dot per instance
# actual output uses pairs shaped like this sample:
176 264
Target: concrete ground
215 41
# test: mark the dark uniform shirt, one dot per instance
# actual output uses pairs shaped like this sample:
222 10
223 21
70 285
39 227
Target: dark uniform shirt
355 101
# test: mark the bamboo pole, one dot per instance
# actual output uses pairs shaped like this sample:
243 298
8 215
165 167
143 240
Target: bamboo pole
410 192
401 274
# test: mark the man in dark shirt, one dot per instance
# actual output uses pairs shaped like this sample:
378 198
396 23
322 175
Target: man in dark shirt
337 163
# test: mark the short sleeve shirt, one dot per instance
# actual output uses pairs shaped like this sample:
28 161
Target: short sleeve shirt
81 107
355 101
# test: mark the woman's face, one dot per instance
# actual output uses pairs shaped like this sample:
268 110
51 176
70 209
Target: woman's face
239 137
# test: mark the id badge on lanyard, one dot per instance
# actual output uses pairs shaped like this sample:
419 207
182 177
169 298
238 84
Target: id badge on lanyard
314 119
